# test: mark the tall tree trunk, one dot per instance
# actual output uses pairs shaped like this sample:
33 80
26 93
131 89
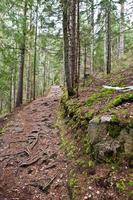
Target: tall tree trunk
11 85
28 78
92 35
1 105
35 54
73 40
14 86
29 66
121 47
85 62
66 48
44 75
19 100
105 44
78 46
108 41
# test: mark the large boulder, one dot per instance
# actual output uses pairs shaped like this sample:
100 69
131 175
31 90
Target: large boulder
109 138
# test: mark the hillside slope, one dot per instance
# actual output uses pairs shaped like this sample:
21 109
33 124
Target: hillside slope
99 138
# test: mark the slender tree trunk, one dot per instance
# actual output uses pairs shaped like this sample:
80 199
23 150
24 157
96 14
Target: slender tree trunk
44 75
35 54
121 47
92 36
78 46
14 86
105 44
73 40
108 42
28 77
1 105
85 62
29 67
11 84
19 100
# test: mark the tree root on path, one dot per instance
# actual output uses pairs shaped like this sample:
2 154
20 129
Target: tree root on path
33 161
43 186
14 154
36 140
17 141
51 166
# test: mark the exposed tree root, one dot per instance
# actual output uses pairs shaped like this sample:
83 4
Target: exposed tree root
42 186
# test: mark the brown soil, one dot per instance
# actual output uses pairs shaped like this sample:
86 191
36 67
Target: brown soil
32 166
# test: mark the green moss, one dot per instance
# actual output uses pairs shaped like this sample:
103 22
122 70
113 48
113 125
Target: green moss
2 130
114 119
120 185
114 130
98 95
86 144
122 99
118 100
68 146
89 115
85 163
71 183
131 123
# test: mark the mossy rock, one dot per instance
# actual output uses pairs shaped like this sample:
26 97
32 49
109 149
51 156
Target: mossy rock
128 97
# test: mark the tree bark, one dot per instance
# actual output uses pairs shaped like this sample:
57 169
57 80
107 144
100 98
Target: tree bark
85 62
66 48
92 36
19 100
73 40
78 47
108 41
121 47
35 54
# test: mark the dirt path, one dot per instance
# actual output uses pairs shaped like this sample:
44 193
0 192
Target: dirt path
32 165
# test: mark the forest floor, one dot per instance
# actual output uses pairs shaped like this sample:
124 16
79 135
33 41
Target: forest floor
32 164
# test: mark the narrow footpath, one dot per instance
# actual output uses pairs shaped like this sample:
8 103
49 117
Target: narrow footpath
32 164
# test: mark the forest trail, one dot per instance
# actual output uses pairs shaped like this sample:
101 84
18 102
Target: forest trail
32 165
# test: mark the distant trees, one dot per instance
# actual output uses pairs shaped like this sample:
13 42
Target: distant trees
121 45
30 49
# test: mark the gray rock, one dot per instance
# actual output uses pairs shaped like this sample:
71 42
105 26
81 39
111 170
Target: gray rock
106 118
106 149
